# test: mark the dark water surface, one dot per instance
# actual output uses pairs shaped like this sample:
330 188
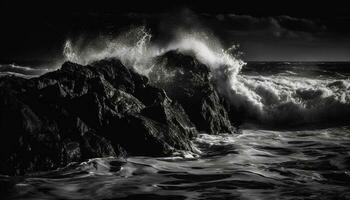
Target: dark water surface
256 164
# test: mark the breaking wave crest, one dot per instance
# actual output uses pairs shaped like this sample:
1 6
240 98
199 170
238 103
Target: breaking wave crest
285 100
270 100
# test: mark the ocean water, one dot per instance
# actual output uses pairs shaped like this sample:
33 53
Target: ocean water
256 164
294 144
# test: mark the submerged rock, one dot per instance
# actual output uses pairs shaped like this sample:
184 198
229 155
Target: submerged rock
187 81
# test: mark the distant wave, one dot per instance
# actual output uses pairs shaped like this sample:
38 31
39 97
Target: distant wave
22 71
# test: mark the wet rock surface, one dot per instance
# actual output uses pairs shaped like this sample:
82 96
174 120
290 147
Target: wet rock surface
105 109
188 81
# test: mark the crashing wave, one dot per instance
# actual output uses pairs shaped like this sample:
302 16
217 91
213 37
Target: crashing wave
269 100
285 100
135 49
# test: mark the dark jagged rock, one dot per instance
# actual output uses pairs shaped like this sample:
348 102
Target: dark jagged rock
93 146
80 112
178 127
162 126
38 136
119 76
188 81
106 109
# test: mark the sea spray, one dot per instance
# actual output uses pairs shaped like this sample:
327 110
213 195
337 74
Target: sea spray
69 53
131 47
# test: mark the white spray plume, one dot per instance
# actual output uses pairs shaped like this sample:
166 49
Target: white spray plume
69 53
134 49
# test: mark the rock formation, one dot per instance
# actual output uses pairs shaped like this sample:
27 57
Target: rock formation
106 109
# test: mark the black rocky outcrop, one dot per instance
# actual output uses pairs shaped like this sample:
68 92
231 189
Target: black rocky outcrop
106 109
188 81
80 112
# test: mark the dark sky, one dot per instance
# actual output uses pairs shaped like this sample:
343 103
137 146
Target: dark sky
265 30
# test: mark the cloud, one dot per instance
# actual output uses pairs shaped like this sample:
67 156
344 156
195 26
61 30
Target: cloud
248 22
280 37
282 27
301 24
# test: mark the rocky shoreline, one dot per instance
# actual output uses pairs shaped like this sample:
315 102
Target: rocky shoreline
107 109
